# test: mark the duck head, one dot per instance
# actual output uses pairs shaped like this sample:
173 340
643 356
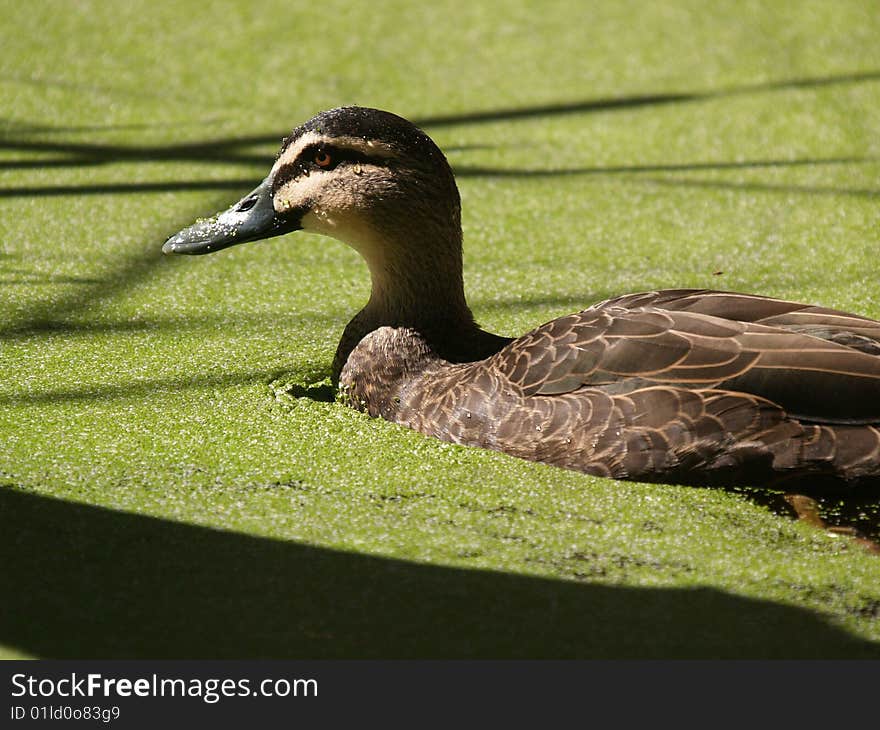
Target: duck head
364 176
379 184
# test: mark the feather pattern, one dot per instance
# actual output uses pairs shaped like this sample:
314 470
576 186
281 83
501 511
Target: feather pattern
686 385
656 386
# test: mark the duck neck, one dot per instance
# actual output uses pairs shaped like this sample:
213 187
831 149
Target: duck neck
412 288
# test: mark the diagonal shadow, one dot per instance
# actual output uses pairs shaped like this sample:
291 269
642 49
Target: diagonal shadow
82 581
461 171
474 171
636 101
227 151
88 153
38 191
764 187
638 170
144 387
19 127
182 323
44 314
52 316
22 277
44 163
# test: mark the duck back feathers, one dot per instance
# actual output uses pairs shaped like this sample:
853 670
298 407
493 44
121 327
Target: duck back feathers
650 387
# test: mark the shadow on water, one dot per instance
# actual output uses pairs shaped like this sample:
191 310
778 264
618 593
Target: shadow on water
25 277
638 174
466 171
241 185
8 124
44 315
223 151
642 100
852 515
231 150
139 389
82 581
756 187
315 386
206 322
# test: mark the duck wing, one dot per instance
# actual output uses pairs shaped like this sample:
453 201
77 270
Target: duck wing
844 328
622 345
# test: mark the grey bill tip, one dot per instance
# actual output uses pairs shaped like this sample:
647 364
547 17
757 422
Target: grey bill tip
250 219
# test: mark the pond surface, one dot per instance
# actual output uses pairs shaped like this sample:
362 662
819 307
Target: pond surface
858 517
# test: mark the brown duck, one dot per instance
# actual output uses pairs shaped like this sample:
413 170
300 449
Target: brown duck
692 386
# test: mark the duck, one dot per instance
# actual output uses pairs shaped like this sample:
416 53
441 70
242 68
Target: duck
687 386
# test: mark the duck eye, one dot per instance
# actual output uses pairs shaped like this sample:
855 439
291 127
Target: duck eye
323 159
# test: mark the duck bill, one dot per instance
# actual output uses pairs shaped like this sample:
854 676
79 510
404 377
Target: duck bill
250 219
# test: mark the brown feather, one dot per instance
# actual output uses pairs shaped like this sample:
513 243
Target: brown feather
686 385
648 393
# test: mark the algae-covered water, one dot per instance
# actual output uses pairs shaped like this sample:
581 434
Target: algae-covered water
169 460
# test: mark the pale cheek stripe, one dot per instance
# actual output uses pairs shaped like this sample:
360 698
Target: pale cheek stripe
299 191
